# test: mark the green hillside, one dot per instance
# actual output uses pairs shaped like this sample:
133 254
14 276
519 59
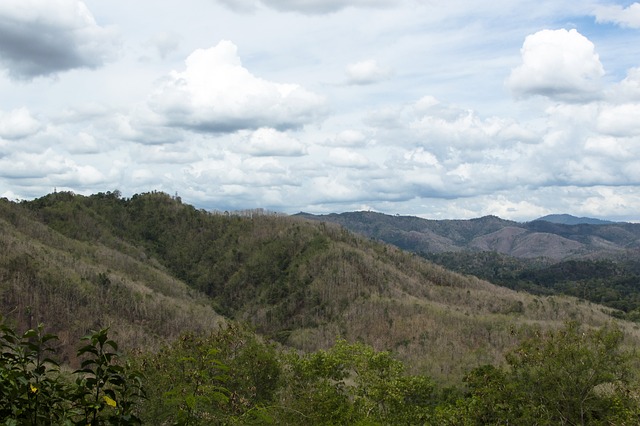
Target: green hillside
77 284
152 266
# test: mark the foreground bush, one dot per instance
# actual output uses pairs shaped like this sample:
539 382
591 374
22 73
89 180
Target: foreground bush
227 377
34 390
570 376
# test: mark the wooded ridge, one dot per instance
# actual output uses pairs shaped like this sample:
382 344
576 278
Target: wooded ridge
558 254
364 331
150 266
539 238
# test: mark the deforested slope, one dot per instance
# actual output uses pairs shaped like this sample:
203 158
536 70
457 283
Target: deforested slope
74 286
303 283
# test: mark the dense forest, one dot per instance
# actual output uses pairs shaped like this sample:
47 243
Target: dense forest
613 282
269 319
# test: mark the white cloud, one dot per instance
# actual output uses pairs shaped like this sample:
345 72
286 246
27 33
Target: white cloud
347 138
366 72
306 6
616 14
79 175
443 128
215 93
333 189
49 168
143 127
629 88
558 64
620 120
165 154
344 157
270 142
18 124
441 138
611 202
506 208
421 157
608 146
44 37
83 143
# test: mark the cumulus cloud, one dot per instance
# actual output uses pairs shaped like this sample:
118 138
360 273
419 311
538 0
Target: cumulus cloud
18 124
44 37
83 143
143 127
629 88
366 72
620 120
558 64
607 146
347 138
626 17
445 127
312 7
49 166
216 94
421 157
165 154
270 142
334 189
344 157
611 202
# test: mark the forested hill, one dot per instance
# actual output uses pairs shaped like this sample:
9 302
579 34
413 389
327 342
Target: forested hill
568 219
559 254
540 238
152 267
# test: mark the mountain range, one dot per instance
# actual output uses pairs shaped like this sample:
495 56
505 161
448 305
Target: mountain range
556 237
568 219
152 268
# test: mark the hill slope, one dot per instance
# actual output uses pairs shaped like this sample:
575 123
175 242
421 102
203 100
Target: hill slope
143 264
540 238
73 286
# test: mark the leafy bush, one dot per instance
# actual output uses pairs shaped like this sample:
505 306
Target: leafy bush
354 384
571 376
35 391
227 377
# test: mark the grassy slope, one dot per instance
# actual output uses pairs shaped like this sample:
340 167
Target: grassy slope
301 282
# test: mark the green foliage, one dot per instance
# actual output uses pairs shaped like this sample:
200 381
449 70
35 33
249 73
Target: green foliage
106 391
31 391
569 377
226 377
231 377
354 384
34 391
612 283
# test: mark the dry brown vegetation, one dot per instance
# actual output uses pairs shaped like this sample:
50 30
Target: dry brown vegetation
151 266
74 286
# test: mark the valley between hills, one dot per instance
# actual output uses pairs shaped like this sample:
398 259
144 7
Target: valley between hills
152 268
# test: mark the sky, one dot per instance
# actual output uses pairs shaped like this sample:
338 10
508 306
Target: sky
443 110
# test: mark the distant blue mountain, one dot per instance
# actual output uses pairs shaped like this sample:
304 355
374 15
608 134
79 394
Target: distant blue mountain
567 219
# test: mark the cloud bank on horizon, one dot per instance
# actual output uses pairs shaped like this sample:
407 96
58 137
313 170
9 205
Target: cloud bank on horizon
520 109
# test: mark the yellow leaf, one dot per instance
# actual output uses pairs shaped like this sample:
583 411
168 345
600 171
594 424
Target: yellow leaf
33 388
109 401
